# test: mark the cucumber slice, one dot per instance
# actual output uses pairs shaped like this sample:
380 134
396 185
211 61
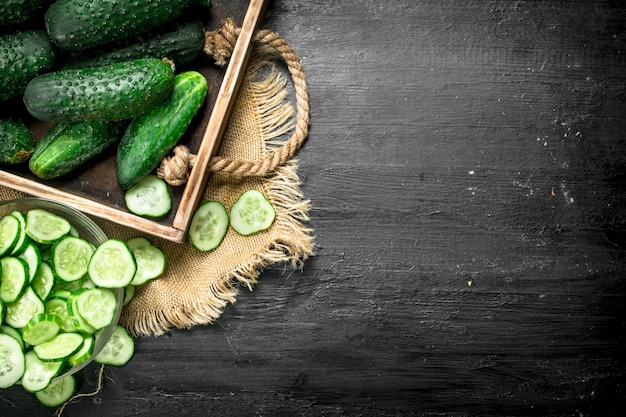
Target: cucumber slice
13 278
118 350
78 321
32 256
41 328
14 333
97 306
149 258
58 307
45 227
150 197
23 239
44 281
251 213
84 353
38 373
60 347
70 257
58 392
9 233
112 265
11 361
23 309
129 294
208 226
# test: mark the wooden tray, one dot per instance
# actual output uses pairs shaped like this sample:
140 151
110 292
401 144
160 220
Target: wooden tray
93 188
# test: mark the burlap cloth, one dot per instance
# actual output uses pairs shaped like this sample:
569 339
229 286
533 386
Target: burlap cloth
196 287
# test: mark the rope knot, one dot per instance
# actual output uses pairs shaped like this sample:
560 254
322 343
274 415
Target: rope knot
175 169
220 43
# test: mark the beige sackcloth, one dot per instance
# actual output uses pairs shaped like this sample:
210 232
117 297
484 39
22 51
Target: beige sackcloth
196 287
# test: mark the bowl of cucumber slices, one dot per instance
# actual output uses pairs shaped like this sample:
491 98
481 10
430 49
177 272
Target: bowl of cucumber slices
52 312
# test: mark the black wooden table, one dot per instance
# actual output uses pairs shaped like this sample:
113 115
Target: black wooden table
467 170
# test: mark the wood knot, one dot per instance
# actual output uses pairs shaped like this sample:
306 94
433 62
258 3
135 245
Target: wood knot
175 169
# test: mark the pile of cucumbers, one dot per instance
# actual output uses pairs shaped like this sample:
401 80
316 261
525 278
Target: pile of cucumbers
103 73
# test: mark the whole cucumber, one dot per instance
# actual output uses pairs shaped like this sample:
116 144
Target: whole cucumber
16 141
149 137
66 146
118 91
23 56
180 43
76 25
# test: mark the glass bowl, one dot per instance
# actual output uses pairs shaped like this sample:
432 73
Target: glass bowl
89 231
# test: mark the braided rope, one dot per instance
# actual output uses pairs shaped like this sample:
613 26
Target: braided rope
220 44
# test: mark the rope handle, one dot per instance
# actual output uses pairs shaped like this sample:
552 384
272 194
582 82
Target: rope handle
219 44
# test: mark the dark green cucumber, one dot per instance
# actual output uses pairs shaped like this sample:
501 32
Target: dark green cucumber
16 141
77 25
112 92
13 12
23 56
181 43
66 146
149 137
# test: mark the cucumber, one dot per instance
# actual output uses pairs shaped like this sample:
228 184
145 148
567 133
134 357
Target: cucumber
10 233
60 347
12 361
23 56
150 197
118 350
76 25
67 146
251 213
23 309
41 328
37 373
150 260
13 278
208 226
112 265
113 92
150 136
58 392
181 44
70 257
13 12
16 141
46 227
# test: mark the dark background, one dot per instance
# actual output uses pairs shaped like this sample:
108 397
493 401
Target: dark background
466 167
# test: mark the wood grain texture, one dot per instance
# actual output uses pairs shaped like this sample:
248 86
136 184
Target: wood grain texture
466 167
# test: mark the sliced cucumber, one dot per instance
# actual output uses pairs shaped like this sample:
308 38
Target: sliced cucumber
41 328
19 312
14 333
70 257
97 306
118 350
45 227
32 256
150 260
23 239
78 321
11 361
38 373
60 347
84 353
112 265
251 213
129 294
58 307
13 278
150 197
44 281
58 392
208 226
9 233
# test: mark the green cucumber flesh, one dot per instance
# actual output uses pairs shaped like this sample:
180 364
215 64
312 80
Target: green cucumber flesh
12 361
70 257
112 265
13 278
97 306
58 392
10 228
150 260
118 350
251 213
208 226
60 347
41 328
46 227
150 197
19 312
37 373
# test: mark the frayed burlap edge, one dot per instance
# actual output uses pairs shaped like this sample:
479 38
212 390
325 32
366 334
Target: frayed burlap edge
293 241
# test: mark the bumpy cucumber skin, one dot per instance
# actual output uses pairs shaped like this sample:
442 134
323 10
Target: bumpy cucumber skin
77 25
66 146
16 141
13 12
118 91
150 136
181 44
23 56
